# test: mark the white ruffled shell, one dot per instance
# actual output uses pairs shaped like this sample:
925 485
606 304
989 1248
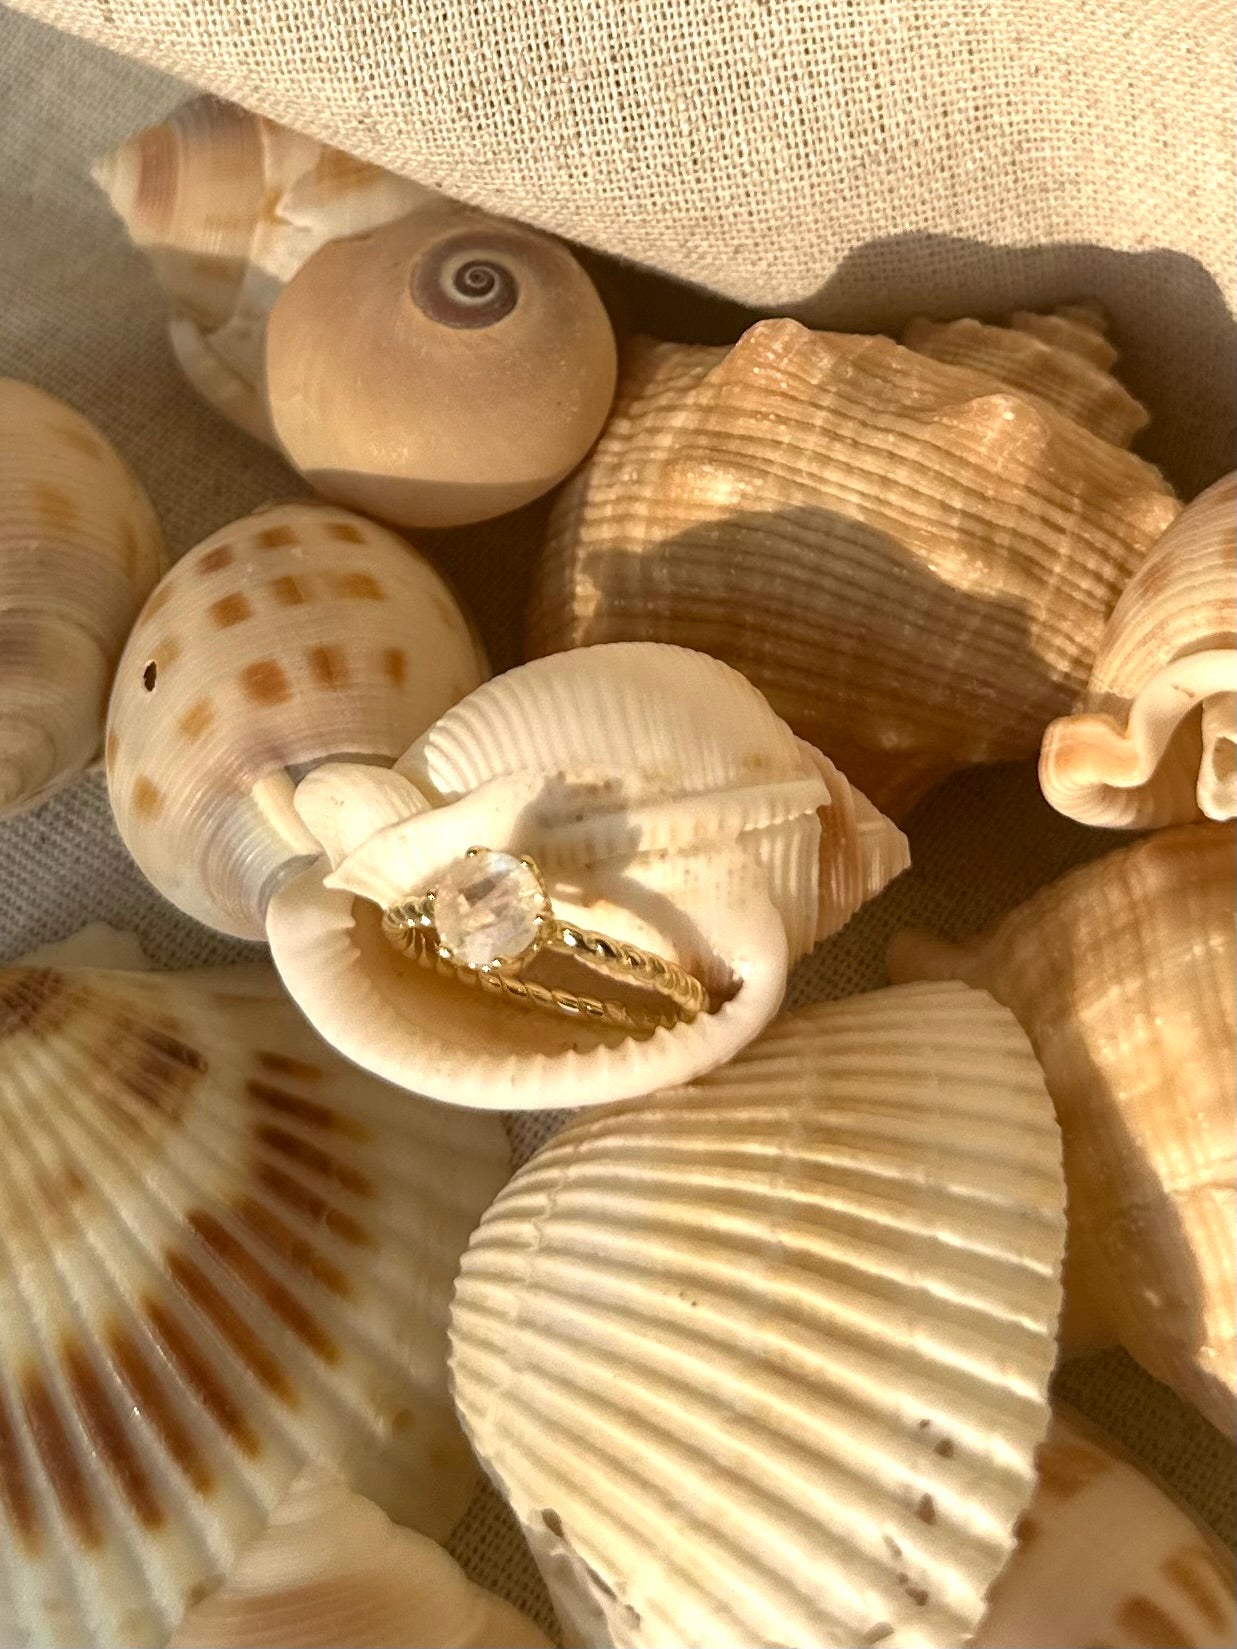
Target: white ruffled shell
764 1361
666 805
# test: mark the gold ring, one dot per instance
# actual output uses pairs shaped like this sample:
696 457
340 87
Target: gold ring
490 915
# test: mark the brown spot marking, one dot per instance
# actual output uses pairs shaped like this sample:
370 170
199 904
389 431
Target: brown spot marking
159 599
109 1436
879 1632
300 1070
198 1289
553 1522
395 666
212 1392
19 1504
167 652
277 538
346 532
146 797
357 587
314 1158
1147 1624
329 667
80 440
197 719
265 683
1194 1570
288 591
1026 1530
894 1549
945 1448
59 1457
160 1070
157 1411
925 1511
229 610
305 1110
1065 1469
30 998
296 1251
311 1205
214 561
53 504
917 1594
111 747
249 1271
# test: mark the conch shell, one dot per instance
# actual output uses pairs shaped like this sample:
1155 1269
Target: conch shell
1104 1556
764 1361
443 369
296 635
913 562
80 549
227 206
1062 359
666 805
1122 974
224 1253
1155 738
331 1572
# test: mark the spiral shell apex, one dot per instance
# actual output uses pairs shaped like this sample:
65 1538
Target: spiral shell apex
79 551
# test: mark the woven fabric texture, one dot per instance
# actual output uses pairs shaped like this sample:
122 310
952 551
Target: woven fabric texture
603 121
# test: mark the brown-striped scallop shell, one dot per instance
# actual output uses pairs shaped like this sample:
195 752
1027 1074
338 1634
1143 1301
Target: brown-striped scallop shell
223 1253
1154 740
912 561
1122 974
294 636
80 549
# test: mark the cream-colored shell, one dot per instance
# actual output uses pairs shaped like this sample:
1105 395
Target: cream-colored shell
1122 974
1154 741
1104 1556
223 1253
913 562
296 635
80 549
331 1572
227 206
666 805
764 1361
1063 359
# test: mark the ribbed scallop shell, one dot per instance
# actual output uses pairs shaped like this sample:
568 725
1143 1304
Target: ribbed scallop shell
763 1361
1122 974
298 634
79 551
1063 359
1154 741
223 1253
330 1570
666 805
1104 1556
227 206
913 562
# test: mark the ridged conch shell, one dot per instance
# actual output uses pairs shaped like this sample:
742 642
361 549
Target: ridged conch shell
293 636
79 551
913 562
764 1361
223 1253
1122 974
1154 741
331 1572
1105 1557
666 805
443 369
227 206
1062 359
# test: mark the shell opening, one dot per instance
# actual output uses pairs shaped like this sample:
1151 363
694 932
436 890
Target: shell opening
150 675
461 284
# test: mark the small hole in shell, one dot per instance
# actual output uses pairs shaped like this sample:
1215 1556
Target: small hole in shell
150 676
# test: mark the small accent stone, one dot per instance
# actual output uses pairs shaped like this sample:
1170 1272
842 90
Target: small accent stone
487 907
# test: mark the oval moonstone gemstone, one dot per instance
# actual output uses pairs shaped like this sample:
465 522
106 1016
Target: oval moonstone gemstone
486 908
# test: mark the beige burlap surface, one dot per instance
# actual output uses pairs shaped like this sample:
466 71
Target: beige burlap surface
80 315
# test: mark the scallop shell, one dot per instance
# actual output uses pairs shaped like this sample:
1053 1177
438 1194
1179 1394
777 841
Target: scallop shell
1122 974
443 369
667 807
224 1253
1154 741
227 206
298 634
1104 1556
331 1570
79 551
911 561
1062 360
764 1361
